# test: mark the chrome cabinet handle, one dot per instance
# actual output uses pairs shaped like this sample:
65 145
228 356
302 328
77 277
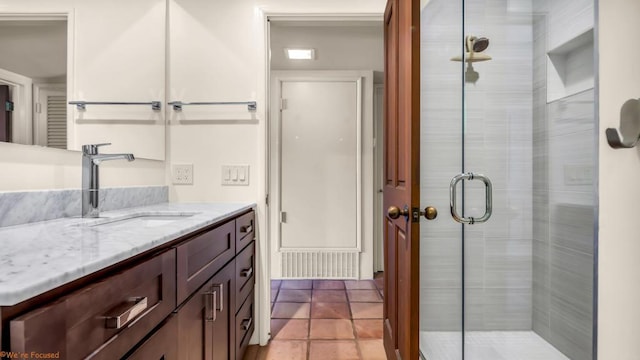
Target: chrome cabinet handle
488 189
246 229
120 316
246 323
221 302
246 272
210 305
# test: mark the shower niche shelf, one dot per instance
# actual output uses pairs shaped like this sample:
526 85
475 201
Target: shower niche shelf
570 67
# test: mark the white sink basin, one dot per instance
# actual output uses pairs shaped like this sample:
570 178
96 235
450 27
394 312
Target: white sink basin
138 220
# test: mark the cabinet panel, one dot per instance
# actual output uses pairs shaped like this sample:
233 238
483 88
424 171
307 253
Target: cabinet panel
162 345
245 230
206 321
203 256
105 319
194 328
245 323
245 279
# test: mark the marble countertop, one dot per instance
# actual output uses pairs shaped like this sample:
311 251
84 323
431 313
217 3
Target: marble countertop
38 257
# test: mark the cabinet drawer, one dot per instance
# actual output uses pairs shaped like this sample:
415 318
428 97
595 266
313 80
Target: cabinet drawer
162 345
245 279
244 326
245 228
203 256
103 320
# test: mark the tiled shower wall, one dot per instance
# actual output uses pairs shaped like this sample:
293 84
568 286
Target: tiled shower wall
498 144
563 190
530 266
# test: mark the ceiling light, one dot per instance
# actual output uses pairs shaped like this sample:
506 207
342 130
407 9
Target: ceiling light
300 54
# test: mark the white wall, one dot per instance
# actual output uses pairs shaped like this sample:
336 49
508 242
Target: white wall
619 247
27 167
229 63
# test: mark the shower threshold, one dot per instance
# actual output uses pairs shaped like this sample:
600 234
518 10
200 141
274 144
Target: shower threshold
487 345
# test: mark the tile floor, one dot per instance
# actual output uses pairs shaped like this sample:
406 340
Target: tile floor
324 320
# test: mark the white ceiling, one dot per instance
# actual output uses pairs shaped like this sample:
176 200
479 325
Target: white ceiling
338 46
36 49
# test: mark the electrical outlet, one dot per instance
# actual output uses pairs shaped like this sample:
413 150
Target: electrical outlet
182 174
235 175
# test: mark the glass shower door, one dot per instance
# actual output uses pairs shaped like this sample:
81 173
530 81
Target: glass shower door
441 153
507 93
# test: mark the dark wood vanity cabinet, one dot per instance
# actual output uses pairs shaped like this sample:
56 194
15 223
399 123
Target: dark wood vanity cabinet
191 300
206 319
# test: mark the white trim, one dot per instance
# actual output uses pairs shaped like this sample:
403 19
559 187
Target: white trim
378 164
40 118
22 98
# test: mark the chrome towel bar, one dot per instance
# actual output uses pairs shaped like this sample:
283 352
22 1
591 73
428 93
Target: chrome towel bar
82 105
251 105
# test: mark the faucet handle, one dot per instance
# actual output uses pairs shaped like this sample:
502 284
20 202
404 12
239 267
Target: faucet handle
92 149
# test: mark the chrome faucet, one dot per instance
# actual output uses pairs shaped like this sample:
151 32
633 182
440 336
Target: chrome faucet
90 176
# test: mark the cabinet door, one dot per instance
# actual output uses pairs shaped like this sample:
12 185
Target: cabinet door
206 327
224 325
161 345
195 330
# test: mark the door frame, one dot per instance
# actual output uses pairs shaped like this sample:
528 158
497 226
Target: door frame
40 92
264 289
22 98
364 81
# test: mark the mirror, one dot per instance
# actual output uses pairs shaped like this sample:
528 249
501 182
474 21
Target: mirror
33 81
107 52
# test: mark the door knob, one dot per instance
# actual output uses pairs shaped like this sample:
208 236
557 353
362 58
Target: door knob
429 212
394 212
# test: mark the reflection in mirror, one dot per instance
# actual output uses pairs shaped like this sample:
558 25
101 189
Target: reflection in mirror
33 81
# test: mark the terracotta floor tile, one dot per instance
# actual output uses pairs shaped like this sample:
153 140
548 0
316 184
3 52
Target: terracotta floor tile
334 350
329 296
275 284
284 349
368 329
296 284
328 284
372 349
364 296
360 284
330 310
289 329
366 310
331 329
282 310
294 296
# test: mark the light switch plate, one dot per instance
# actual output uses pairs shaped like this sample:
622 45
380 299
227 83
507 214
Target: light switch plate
235 175
182 174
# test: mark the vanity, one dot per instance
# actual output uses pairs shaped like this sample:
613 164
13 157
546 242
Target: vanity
167 281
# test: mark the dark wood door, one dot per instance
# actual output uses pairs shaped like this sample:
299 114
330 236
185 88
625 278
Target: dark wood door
5 114
401 187
224 344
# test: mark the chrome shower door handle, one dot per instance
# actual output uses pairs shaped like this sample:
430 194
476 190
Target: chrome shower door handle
453 198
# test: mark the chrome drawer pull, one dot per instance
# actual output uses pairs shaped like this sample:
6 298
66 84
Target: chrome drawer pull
221 287
123 314
246 323
247 272
210 305
246 229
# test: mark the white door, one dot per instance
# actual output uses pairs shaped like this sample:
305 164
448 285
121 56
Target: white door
320 164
